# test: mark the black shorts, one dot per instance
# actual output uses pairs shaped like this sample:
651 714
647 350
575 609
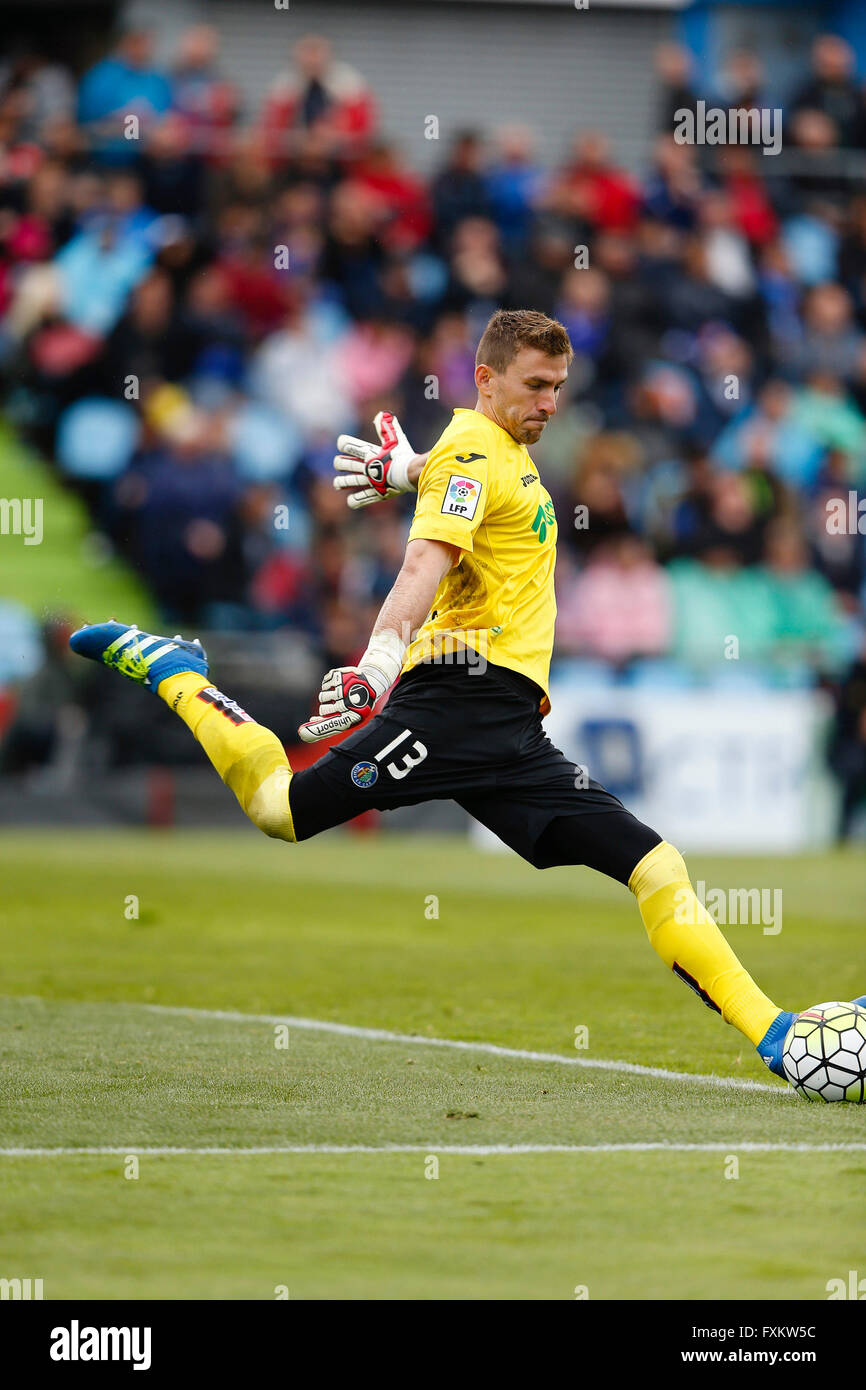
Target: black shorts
452 732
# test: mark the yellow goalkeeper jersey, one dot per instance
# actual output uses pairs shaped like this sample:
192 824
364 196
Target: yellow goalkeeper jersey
480 490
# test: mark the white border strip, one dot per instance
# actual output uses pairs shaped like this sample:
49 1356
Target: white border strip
315 1025
485 1150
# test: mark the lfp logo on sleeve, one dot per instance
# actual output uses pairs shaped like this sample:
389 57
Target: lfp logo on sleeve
461 496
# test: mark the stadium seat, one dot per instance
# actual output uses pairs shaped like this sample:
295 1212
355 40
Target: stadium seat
792 675
739 676
659 674
20 643
584 673
265 446
96 438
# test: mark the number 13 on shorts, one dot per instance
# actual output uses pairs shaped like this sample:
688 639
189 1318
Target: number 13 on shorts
407 761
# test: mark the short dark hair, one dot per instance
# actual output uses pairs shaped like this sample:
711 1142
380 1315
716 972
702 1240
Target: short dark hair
511 329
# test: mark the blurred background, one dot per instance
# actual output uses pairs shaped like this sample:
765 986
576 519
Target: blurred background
230 231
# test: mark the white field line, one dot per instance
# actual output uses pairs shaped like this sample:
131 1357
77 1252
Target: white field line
480 1150
350 1030
476 1150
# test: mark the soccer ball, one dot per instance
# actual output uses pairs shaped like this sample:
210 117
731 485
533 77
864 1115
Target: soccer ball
824 1055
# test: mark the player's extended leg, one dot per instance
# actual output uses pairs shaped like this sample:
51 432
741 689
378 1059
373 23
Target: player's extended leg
688 940
248 757
679 927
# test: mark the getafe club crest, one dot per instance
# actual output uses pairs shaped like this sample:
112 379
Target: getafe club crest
364 775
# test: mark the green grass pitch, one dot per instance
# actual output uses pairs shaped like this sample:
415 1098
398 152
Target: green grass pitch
95 929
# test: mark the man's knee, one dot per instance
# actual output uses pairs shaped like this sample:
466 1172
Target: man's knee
661 866
269 808
612 842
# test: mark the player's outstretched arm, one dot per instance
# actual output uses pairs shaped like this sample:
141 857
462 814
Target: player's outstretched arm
372 472
349 693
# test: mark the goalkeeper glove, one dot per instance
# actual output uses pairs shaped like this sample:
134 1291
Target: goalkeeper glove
383 471
349 693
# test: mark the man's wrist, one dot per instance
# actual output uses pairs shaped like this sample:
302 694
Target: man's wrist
385 653
400 472
414 469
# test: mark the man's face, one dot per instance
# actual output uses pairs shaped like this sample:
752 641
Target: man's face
523 398
312 55
137 48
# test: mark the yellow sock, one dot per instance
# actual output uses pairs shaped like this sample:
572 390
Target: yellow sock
248 757
685 936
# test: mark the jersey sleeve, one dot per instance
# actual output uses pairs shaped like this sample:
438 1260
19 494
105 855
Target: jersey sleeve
454 495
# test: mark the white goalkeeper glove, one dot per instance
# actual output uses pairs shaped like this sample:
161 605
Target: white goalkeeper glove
383 470
349 693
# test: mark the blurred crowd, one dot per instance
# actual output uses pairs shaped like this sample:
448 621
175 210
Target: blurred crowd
196 298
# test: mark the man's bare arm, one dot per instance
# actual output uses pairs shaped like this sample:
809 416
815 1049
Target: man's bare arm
349 693
411 596
415 467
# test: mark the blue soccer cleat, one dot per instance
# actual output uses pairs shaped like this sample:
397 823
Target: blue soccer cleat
771 1044
138 655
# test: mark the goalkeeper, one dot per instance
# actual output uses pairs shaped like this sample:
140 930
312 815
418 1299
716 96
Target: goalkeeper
466 633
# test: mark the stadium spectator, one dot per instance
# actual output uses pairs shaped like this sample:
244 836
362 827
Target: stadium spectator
852 254
101 264
319 105
402 195
48 724
478 269
353 255
514 181
459 190
748 198
173 172
830 340
817 183
149 341
591 189
206 102
673 66
806 619
832 88
742 81
299 372
122 85
673 188
44 91
584 308
181 503
840 555
619 607
848 742
769 426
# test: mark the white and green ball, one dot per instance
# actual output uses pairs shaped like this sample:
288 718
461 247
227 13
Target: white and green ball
824 1056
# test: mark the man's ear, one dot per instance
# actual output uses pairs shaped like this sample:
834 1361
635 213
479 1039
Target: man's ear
483 378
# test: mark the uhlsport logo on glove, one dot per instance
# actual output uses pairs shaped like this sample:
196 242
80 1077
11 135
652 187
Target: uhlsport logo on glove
349 693
358 693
